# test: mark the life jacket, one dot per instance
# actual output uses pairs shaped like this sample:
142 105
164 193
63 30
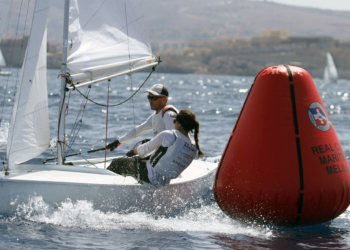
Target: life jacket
171 161
168 108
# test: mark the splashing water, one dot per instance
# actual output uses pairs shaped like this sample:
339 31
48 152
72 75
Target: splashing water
81 214
4 130
215 159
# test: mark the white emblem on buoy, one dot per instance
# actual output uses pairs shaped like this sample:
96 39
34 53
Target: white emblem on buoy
318 116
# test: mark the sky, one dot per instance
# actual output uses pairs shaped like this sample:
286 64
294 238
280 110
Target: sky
321 4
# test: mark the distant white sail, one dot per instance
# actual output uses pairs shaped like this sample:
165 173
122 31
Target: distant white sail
29 133
2 60
106 37
330 72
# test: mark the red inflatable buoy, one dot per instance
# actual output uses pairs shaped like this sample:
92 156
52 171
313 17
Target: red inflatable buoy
283 163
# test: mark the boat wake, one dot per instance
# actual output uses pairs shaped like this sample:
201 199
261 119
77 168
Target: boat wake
203 216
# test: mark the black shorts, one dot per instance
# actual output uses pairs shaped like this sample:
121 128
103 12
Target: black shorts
128 165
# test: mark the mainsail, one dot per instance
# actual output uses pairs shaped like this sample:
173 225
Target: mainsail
107 38
330 71
29 133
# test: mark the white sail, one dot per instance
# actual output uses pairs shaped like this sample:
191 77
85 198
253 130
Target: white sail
330 72
107 37
2 60
29 133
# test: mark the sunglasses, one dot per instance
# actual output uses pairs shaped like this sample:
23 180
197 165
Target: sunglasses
153 98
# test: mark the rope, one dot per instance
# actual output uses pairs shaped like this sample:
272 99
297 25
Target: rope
109 81
74 133
59 143
66 110
97 162
79 154
137 144
114 105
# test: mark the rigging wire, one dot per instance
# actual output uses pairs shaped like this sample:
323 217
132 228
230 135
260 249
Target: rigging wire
153 69
19 81
59 143
86 97
8 77
67 107
25 27
13 47
109 81
98 162
118 104
79 155
76 127
131 83
116 135
69 81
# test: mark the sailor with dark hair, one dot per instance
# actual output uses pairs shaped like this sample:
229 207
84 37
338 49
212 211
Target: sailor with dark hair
159 121
171 152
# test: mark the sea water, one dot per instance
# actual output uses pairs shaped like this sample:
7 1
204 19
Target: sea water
217 101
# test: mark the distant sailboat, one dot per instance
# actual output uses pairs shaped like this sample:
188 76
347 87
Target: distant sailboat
4 10
330 72
3 64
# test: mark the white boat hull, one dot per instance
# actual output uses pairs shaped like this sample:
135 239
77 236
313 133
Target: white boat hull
107 191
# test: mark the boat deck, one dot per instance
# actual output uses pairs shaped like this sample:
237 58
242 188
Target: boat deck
95 176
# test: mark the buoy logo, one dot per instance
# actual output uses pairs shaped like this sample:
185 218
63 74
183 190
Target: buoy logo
318 116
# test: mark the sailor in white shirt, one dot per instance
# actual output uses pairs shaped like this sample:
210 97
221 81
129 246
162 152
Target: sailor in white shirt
159 121
171 151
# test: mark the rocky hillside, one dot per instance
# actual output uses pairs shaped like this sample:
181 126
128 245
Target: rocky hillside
213 19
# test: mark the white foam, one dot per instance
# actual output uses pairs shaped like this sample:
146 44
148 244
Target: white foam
205 218
214 159
346 214
4 130
53 142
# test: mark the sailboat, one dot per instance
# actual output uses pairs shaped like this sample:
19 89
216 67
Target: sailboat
3 64
330 74
4 10
101 39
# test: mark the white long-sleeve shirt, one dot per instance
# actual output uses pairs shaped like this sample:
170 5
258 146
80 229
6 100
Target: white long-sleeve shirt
155 123
165 139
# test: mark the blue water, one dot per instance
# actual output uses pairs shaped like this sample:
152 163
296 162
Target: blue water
217 101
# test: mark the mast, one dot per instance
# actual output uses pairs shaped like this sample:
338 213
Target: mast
61 115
